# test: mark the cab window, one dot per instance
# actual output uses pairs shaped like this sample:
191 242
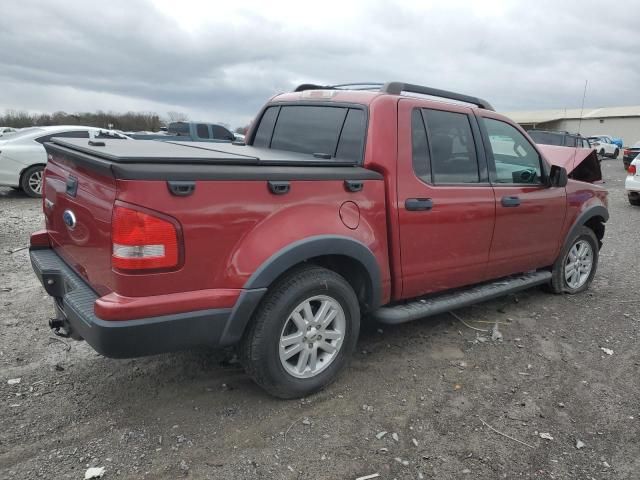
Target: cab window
515 159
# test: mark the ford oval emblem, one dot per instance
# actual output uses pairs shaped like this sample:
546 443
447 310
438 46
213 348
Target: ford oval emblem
69 219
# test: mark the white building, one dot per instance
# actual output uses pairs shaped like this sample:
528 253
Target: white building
620 122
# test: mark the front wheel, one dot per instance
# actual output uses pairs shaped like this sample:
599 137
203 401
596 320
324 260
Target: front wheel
616 153
601 153
576 266
31 181
302 334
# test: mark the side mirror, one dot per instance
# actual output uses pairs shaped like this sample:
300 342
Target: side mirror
558 177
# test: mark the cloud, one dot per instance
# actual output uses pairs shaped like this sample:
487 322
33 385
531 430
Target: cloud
222 64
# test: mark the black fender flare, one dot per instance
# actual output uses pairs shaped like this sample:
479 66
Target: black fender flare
290 256
588 214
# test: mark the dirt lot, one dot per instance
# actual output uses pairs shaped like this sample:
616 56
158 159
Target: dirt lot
435 386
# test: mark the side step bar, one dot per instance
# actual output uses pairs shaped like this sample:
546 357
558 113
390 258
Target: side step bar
425 307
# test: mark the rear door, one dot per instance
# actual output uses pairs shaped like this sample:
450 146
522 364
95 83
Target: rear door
446 206
529 214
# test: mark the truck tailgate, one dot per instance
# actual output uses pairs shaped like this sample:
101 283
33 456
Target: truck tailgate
78 204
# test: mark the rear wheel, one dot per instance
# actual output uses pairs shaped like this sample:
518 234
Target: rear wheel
616 153
634 200
31 181
302 334
576 266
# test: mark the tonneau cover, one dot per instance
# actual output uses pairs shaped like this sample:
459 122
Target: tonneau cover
158 152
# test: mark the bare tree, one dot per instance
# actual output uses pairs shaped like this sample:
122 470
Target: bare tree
177 116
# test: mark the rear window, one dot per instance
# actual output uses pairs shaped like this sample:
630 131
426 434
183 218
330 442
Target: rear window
337 132
547 138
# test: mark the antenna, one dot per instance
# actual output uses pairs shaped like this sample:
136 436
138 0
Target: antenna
584 95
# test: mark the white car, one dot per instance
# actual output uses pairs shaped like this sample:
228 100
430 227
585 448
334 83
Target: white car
4 130
605 146
23 157
632 183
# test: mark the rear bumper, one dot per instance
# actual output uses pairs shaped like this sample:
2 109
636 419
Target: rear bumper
75 302
632 185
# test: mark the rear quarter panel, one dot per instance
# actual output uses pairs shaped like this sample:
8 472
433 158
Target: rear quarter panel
231 227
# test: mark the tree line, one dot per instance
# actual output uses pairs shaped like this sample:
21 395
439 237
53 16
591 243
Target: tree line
129 121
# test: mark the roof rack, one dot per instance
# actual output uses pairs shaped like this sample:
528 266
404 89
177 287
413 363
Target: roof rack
343 86
396 88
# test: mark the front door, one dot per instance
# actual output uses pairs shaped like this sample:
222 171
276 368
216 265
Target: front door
529 214
446 205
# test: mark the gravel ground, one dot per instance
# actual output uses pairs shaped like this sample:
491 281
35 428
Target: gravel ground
441 390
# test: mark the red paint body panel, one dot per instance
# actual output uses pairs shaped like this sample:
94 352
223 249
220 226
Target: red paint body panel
116 307
448 246
526 237
230 228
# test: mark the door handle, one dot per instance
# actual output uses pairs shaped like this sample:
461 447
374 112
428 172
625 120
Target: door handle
418 204
510 202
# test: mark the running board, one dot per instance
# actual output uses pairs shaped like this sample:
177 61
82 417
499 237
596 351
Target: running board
425 307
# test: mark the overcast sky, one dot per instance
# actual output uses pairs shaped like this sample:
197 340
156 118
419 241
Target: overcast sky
220 61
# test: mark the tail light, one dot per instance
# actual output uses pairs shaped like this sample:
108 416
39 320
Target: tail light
631 170
142 241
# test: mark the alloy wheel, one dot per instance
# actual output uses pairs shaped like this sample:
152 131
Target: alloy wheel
312 336
578 264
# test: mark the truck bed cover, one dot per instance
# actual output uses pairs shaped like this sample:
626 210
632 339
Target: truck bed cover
157 152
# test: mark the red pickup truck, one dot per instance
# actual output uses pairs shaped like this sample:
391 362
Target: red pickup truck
392 203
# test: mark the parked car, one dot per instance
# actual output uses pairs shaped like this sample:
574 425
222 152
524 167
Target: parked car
559 138
632 183
189 132
23 157
605 146
342 203
630 153
5 130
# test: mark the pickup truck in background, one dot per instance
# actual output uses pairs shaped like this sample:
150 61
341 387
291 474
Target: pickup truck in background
189 132
343 204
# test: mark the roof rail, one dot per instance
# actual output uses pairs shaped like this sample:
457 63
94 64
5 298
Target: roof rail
343 86
396 88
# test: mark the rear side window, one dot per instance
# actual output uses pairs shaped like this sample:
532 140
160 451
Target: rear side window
265 129
451 147
178 128
420 146
338 132
202 130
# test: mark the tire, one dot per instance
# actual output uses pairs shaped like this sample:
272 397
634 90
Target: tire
31 181
559 283
261 351
616 153
601 152
634 201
